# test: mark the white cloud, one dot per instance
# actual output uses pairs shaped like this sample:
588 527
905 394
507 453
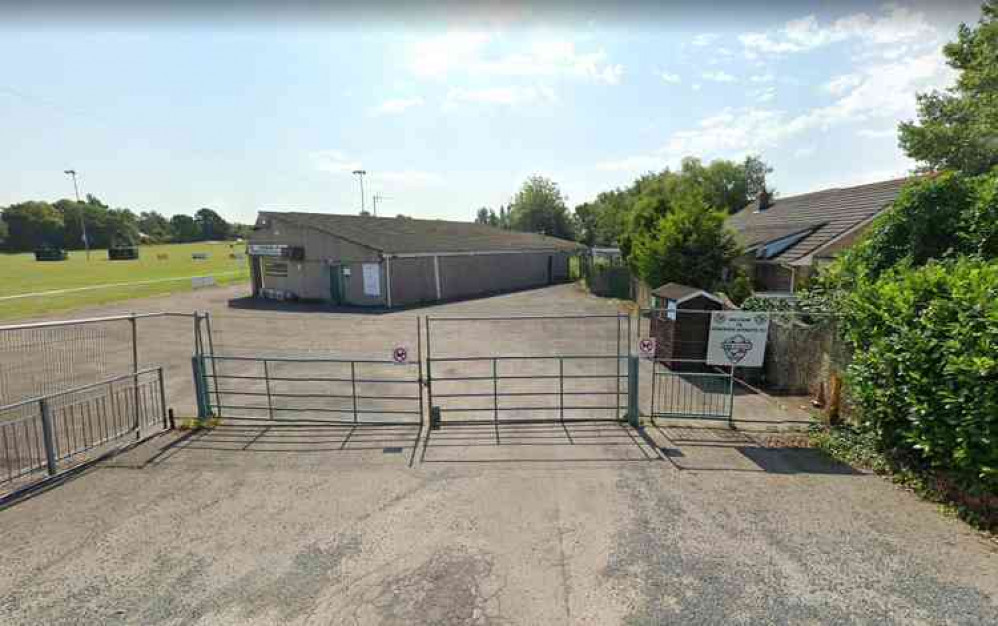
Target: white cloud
696 87
806 151
397 105
762 78
841 84
884 94
719 76
705 39
466 53
895 25
763 94
670 78
509 96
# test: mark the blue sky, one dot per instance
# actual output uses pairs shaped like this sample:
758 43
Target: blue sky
452 112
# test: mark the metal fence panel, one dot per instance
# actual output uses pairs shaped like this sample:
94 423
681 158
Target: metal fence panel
528 368
56 431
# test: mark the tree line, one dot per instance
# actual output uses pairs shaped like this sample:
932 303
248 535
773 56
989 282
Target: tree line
669 225
34 224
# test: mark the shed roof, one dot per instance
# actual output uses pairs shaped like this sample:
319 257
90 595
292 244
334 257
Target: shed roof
828 214
681 293
405 235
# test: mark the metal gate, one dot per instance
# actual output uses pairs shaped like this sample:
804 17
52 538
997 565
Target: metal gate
683 384
497 370
312 389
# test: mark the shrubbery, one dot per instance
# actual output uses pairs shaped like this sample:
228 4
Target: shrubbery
924 373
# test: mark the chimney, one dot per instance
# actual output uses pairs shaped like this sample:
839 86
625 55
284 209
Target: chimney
765 200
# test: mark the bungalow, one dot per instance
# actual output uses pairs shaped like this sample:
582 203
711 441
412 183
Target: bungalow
786 239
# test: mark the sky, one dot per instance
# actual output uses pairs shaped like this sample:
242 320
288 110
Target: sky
176 109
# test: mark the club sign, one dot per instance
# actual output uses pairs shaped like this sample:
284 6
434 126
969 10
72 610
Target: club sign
737 338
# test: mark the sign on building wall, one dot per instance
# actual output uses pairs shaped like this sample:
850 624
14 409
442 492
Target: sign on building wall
267 249
737 338
372 279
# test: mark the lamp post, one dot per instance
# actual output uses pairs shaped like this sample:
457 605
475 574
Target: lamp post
83 224
360 176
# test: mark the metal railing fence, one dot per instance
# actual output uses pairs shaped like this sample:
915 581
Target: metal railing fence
50 433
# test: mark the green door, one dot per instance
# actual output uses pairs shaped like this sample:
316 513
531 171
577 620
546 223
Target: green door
335 289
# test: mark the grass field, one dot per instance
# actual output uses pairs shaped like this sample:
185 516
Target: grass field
23 275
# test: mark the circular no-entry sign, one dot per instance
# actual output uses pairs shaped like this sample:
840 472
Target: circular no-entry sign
646 346
400 354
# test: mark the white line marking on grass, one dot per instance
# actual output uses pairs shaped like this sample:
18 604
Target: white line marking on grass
107 285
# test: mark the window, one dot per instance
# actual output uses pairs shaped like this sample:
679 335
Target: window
275 268
670 309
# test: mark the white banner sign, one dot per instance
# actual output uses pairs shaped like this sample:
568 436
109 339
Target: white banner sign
372 279
737 338
266 249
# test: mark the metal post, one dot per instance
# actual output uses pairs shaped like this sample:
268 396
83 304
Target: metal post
654 372
162 397
495 397
266 380
429 371
211 351
135 374
633 416
731 397
199 387
353 388
617 381
561 388
47 434
419 359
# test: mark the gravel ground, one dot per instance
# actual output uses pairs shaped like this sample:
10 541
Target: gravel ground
582 523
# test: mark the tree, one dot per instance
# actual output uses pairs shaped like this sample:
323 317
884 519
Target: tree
956 128
690 244
184 229
121 228
539 207
486 216
213 227
154 226
587 220
32 225
3 233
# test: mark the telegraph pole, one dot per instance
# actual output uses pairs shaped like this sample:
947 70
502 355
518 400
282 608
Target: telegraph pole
83 224
360 177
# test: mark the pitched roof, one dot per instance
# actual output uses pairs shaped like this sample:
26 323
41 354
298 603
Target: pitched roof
405 235
828 213
680 293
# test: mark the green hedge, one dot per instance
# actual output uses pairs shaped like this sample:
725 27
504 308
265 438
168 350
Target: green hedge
924 373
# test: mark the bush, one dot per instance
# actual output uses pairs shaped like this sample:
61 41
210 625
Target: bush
924 373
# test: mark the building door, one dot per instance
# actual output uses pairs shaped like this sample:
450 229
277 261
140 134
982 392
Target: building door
335 284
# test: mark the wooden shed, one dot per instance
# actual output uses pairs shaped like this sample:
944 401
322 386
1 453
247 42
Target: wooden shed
680 321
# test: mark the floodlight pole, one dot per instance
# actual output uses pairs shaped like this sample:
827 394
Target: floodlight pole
83 224
360 176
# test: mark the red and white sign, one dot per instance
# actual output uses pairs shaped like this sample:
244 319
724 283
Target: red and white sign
647 346
400 354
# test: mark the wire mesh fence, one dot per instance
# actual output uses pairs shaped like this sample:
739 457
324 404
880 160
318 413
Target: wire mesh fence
47 357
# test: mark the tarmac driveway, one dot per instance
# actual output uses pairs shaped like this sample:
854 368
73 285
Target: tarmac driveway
532 524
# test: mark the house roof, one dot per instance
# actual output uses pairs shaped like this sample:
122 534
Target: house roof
404 235
828 214
681 293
